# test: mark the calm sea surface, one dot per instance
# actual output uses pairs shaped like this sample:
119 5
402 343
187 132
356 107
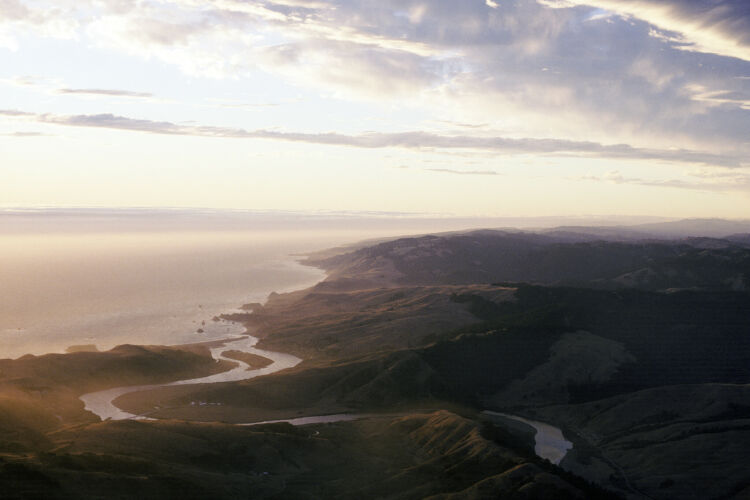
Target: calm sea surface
65 288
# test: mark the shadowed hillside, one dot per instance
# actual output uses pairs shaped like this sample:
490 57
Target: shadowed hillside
492 256
39 394
643 364
414 456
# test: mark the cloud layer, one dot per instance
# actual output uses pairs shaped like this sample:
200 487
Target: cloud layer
409 140
106 92
662 81
724 183
716 27
646 72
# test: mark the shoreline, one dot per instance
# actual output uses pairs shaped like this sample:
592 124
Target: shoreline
550 443
178 317
101 403
247 308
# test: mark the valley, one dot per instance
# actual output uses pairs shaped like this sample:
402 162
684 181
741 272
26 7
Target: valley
419 337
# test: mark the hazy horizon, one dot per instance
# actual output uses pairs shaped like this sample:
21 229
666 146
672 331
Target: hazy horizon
34 217
107 276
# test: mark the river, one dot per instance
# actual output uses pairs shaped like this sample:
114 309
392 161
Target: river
550 443
101 402
549 440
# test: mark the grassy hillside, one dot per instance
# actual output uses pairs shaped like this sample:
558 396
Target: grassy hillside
40 393
643 363
326 322
552 259
685 441
408 457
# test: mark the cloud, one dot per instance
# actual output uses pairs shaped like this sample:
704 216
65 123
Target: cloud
462 172
575 71
55 86
13 112
716 27
354 69
26 134
409 140
730 182
13 10
463 125
730 98
24 81
521 66
230 104
45 20
106 92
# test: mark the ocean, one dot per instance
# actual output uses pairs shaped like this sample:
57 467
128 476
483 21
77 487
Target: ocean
67 289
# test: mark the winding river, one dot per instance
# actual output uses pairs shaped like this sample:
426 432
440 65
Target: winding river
549 440
101 402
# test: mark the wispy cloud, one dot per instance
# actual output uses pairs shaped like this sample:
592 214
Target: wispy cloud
226 103
720 97
13 112
106 92
56 87
463 125
733 182
462 172
13 10
26 134
410 140
340 65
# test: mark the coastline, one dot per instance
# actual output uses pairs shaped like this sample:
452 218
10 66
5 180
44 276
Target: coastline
159 293
550 443
102 403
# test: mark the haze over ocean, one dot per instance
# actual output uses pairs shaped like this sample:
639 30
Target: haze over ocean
112 276
141 288
104 276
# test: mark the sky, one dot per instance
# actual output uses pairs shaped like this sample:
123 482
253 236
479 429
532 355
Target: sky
473 108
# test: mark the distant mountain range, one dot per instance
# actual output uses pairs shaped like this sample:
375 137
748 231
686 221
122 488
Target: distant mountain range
684 228
600 259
